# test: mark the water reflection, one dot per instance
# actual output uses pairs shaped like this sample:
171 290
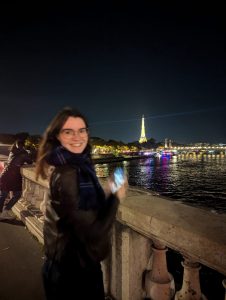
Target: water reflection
199 180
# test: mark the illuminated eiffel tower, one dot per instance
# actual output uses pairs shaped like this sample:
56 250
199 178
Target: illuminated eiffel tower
142 135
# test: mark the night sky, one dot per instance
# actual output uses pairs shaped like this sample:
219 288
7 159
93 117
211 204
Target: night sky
116 63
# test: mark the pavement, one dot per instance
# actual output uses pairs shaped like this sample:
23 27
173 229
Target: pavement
21 259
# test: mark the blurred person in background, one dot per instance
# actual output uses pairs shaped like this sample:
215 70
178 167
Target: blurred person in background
11 179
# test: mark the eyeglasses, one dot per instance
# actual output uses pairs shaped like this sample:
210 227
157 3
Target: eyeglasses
69 133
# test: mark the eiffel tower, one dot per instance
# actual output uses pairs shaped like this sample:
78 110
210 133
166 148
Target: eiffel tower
142 135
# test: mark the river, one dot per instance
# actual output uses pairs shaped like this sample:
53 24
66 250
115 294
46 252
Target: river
198 180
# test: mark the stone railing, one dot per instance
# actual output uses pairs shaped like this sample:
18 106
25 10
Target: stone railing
147 226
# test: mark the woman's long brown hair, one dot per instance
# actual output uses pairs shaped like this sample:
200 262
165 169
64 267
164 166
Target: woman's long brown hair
50 141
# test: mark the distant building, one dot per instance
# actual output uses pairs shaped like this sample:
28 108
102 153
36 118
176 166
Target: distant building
142 135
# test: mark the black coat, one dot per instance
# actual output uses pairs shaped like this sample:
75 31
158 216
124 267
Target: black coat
11 179
71 233
76 237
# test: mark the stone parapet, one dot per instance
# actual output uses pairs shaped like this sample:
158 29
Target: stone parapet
194 232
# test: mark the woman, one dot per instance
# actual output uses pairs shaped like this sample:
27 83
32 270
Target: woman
79 214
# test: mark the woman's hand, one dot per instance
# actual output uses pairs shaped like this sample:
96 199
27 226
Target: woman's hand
121 190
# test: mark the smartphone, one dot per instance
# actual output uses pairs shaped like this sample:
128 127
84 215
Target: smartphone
118 179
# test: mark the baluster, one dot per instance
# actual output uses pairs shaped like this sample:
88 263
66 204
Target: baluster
27 194
191 285
43 204
25 189
159 283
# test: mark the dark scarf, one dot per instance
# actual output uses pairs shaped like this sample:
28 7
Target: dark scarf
91 193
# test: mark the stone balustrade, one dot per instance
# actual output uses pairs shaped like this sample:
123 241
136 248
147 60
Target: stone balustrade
147 226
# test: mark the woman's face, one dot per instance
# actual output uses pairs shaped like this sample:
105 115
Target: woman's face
74 135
